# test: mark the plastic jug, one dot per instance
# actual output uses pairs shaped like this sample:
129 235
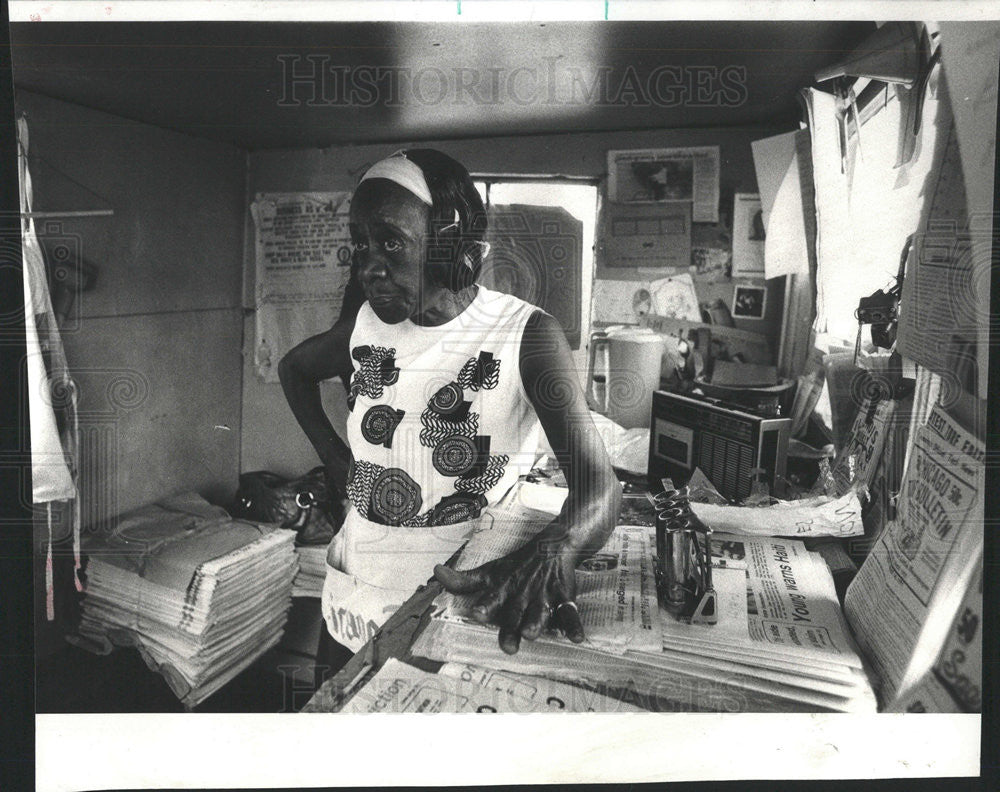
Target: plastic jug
626 361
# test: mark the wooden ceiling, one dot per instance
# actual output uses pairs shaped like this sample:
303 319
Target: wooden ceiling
232 81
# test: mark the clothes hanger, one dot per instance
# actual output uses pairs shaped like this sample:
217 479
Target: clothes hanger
70 213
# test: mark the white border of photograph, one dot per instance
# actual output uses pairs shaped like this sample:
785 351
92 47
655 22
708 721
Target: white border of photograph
254 749
737 288
748 253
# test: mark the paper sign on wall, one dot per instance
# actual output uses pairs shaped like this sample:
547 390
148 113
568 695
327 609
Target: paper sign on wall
748 236
968 50
302 257
648 235
780 162
625 302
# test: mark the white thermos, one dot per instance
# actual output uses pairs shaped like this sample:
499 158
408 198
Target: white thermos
624 365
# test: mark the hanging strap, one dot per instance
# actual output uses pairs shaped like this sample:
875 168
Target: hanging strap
852 99
50 601
75 468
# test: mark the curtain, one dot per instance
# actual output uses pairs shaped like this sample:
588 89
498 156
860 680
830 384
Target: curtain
51 390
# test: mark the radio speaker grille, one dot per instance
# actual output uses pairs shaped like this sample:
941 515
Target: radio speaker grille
722 460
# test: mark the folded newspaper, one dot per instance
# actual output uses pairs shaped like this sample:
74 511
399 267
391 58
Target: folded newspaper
780 643
400 687
616 593
920 577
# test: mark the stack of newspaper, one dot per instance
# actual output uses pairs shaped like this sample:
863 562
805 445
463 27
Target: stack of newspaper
780 643
312 571
200 595
460 687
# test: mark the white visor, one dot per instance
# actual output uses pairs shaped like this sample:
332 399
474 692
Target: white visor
399 169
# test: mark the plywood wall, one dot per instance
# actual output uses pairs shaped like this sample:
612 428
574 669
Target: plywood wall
155 345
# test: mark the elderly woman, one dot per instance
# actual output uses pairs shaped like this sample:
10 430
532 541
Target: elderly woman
450 383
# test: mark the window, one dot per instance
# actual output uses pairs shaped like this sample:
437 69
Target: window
541 234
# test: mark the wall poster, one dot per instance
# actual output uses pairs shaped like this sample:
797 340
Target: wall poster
302 253
648 236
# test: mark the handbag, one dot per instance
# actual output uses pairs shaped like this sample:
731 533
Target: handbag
304 505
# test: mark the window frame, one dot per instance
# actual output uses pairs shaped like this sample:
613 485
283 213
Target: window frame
589 269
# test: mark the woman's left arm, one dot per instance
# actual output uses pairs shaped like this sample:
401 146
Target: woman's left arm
533 587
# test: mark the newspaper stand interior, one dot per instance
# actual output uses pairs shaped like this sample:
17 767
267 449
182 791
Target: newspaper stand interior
683 553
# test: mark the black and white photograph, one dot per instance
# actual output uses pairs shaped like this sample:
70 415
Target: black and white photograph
748 301
655 180
748 236
348 382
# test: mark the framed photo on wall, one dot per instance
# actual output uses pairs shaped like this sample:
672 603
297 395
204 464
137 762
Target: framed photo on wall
748 236
749 301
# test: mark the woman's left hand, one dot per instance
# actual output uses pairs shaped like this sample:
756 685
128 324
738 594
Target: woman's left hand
524 592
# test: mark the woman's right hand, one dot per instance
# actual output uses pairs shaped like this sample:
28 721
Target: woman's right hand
336 478
336 469
526 591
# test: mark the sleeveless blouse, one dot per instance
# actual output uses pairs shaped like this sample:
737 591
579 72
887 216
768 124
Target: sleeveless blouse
439 425
439 428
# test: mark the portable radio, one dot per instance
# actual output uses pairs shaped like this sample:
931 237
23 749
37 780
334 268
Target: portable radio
727 443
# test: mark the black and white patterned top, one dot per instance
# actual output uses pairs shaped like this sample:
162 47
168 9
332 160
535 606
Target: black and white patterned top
440 425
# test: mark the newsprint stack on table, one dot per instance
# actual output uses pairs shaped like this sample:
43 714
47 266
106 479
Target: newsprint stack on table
781 642
199 594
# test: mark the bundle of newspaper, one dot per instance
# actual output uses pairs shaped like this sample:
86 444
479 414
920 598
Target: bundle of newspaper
924 578
458 687
312 571
200 595
780 643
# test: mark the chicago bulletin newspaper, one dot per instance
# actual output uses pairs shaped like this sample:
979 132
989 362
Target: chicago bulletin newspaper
921 577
